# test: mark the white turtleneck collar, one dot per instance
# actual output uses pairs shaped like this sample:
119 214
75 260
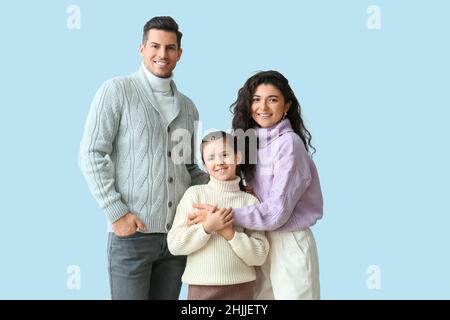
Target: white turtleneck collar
160 85
228 185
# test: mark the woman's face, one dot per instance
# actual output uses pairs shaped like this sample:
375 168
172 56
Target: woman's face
268 105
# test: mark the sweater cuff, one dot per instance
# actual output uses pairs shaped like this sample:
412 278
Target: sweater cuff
202 233
115 211
236 241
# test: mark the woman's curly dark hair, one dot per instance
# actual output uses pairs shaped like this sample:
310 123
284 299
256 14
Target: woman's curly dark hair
242 114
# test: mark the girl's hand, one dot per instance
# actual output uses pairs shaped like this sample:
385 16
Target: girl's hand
227 232
218 220
200 215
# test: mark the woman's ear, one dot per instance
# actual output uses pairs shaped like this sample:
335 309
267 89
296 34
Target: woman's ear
238 157
287 106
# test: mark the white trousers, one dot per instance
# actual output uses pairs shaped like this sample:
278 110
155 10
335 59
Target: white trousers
291 271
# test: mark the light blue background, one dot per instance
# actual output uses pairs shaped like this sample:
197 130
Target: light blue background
376 102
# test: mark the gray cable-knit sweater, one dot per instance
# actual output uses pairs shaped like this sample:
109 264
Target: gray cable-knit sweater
132 158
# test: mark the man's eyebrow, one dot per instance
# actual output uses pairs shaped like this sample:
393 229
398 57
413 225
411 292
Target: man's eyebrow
169 45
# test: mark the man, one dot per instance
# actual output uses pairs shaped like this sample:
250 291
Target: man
126 158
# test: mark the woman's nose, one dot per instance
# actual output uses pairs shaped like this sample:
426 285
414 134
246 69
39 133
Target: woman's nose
263 105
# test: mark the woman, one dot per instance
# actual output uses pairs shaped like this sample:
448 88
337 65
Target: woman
286 182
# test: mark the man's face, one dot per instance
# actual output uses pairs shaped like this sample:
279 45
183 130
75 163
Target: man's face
160 53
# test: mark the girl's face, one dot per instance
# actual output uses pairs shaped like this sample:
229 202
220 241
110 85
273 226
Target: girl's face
220 160
268 105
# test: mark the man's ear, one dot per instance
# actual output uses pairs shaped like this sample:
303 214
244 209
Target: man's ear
141 49
180 51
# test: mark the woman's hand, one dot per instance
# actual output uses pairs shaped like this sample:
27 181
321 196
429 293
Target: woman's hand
250 190
200 215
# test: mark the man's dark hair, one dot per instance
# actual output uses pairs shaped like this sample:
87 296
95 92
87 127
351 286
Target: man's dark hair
165 23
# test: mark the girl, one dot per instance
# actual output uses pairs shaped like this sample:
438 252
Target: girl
220 258
286 182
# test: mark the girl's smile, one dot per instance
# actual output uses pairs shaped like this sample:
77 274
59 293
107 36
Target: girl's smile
220 160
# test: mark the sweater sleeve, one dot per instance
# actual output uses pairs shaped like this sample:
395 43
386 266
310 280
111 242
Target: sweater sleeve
183 239
251 246
96 146
291 178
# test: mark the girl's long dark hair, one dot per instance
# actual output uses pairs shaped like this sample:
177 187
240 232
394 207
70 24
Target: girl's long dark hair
242 114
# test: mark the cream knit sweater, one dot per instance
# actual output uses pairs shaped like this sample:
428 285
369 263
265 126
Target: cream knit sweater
212 260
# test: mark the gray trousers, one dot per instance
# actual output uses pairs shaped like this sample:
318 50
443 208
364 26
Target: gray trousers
142 268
